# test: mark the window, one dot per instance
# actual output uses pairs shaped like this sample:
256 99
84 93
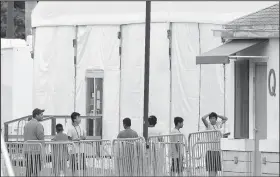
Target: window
94 101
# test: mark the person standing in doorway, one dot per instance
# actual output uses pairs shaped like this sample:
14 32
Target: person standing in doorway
213 157
34 130
75 133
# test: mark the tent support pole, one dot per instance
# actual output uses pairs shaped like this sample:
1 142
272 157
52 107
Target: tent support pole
169 35
147 68
199 96
75 44
120 86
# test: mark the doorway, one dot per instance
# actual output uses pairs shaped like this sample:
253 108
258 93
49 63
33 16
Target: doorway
260 118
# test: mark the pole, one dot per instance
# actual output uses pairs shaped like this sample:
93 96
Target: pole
10 20
147 70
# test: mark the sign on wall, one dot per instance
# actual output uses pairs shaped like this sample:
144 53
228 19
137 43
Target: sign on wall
272 82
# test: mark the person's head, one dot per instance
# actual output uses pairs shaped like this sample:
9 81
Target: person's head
75 117
38 114
152 120
126 123
59 128
179 122
213 118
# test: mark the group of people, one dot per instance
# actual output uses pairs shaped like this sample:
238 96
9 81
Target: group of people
34 130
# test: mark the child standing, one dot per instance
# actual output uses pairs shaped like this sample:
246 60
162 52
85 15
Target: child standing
60 151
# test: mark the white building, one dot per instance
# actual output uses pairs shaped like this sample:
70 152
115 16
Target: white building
251 55
16 81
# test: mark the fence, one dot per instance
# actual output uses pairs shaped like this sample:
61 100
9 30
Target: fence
205 153
167 155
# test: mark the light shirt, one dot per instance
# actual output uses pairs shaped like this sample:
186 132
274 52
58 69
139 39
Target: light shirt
176 148
218 126
76 132
154 131
175 131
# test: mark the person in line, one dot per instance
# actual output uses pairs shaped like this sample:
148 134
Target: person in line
127 132
155 148
34 130
60 152
152 129
60 135
75 133
177 150
124 148
213 157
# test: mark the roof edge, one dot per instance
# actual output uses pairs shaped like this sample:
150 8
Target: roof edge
245 34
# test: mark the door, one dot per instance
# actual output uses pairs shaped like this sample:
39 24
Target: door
260 129
241 116
94 101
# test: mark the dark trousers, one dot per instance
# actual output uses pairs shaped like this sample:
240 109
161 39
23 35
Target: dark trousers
33 164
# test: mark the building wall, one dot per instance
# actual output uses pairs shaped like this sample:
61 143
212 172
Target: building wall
273 102
270 49
16 84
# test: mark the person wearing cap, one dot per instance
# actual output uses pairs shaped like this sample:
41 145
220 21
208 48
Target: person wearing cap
34 130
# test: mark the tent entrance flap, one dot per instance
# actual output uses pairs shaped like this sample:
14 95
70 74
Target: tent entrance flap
221 54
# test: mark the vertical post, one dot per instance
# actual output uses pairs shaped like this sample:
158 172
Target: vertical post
53 126
199 96
10 20
6 132
147 69
75 45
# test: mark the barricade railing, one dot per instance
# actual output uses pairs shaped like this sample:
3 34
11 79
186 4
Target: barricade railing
168 155
6 165
129 157
205 155
93 158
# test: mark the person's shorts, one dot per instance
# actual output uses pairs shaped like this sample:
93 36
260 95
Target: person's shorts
213 161
177 165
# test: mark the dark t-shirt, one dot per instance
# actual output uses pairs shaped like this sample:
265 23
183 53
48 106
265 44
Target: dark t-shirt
60 137
128 133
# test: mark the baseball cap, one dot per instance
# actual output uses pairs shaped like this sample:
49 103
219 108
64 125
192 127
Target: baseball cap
37 111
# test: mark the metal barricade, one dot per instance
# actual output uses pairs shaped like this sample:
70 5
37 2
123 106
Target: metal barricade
33 158
6 165
129 157
56 158
93 158
168 155
205 155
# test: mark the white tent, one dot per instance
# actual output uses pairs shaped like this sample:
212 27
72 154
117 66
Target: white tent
16 80
175 89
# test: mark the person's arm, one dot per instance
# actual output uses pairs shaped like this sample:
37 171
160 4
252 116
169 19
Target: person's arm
204 120
69 134
224 119
83 137
40 132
